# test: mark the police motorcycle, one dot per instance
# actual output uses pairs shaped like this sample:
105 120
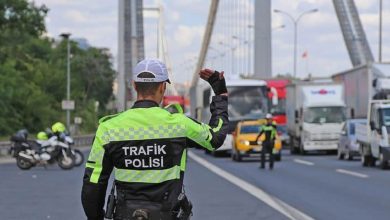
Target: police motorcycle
76 153
63 135
43 151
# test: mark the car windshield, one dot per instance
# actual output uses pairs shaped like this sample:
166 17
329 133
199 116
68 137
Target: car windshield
250 129
386 116
280 108
352 128
322 115
246 102
281 129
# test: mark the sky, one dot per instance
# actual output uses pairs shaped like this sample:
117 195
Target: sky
319 33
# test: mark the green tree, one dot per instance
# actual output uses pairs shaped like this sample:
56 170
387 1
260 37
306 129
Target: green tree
33 73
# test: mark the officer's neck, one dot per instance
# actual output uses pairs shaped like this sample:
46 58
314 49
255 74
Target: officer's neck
149 98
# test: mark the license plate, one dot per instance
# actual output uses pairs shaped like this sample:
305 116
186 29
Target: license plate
257 149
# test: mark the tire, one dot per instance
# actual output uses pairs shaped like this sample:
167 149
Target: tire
383 164
78 157
23 163
65 163
340 154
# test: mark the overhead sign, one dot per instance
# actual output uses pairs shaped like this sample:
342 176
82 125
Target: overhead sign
67 104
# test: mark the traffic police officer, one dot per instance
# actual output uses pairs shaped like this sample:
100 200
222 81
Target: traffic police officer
267 135
146 146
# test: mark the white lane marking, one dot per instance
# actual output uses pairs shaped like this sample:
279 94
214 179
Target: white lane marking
280 206
352 173
304 162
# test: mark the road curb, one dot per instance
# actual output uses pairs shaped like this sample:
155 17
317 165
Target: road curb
5 160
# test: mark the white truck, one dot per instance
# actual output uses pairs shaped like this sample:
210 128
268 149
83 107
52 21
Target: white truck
367 90
315 116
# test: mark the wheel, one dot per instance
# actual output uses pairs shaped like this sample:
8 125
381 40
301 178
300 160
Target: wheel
340 154
383 164
23 163
65 162
78 157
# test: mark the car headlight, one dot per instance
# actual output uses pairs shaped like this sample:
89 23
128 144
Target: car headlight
245 142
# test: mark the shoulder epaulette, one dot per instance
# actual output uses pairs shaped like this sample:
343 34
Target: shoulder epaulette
174 108
107 117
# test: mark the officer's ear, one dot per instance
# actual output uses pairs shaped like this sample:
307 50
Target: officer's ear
134 85
163 87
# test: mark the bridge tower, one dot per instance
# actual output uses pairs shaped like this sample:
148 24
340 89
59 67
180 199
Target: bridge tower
263 43
130 48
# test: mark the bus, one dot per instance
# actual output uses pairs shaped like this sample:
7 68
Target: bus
278 110
244 104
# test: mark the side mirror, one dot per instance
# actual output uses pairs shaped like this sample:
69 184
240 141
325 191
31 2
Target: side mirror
275 100
352 113
372 125
275 97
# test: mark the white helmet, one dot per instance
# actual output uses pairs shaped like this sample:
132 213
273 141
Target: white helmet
268 116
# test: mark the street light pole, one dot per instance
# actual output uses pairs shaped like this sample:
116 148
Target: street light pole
232 57
66 37
295 22
380 31
241 41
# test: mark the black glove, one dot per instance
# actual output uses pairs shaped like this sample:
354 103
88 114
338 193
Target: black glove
217 84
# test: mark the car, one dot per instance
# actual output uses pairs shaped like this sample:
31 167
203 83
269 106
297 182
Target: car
348 147
244 140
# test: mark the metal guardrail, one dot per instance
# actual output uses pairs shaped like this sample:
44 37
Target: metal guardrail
79 141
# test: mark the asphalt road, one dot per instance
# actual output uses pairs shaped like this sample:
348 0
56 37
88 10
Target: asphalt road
319 186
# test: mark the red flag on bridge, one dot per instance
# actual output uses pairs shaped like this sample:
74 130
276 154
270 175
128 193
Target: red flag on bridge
305 54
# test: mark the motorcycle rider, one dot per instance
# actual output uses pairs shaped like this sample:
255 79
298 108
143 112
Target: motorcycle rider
147 148
42 138
267 135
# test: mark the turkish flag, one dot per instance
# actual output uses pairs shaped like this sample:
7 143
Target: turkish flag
304 55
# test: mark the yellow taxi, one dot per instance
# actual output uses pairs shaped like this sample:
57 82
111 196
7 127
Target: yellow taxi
244 140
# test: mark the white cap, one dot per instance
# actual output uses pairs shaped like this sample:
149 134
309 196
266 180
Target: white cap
155 67
268 116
